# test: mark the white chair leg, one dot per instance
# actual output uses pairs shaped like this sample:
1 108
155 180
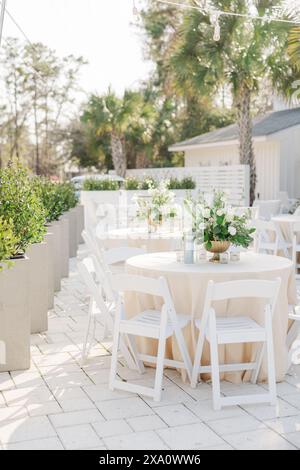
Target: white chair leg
271 360
215 364
114 359
139 362
259 359
159 369
86 339
197 361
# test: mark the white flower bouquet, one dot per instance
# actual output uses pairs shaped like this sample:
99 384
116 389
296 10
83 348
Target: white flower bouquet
158 206
217 222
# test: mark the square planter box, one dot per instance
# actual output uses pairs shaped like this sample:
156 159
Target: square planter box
65 235
80 223
49 240
38 287
73 232
55 228
15 316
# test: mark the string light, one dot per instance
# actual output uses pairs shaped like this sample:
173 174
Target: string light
214 19
185 6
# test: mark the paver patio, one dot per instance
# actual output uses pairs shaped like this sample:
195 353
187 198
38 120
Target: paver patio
58 404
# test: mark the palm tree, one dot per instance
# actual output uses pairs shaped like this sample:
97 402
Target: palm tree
112 116
246 52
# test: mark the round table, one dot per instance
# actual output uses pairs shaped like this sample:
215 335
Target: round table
159 241
188 284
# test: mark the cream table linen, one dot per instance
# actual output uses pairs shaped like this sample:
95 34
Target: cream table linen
159 241
286 223
188 284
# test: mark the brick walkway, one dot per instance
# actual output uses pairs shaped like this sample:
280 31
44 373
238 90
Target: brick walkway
58 404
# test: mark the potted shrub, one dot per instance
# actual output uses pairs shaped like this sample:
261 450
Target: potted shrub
14 312
24 287
48 193
71 213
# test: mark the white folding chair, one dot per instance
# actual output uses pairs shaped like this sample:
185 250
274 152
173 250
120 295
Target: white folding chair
269 239
234 330
104 264
97 307
156 324
268 208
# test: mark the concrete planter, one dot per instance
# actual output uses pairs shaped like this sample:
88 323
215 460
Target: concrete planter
38 287
80 223
49 240
73 232
65 248
15 316
55 228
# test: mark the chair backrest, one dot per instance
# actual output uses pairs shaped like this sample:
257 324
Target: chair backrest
268 208
245 289
91 242
145 285
296 228
86 269
121 254
267 235
297 211
256 288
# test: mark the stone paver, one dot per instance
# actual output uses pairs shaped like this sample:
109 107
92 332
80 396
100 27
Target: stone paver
61 404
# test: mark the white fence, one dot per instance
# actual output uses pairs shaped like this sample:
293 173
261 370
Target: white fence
234 180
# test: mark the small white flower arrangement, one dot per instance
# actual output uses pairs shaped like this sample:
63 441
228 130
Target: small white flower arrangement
158 206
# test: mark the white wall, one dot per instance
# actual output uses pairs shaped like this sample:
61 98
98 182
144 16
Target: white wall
267 163
213 156
289 142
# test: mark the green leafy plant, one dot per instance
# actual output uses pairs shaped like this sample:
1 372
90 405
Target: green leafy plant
56 198
8 243
68 196
132 184
148 183
20 205
186 183
93 184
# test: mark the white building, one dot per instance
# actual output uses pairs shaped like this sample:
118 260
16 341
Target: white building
276 145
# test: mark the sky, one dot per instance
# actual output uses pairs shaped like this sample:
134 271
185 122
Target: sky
99 30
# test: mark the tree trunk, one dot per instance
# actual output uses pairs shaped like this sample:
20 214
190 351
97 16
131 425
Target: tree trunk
118 155
36 130
247 156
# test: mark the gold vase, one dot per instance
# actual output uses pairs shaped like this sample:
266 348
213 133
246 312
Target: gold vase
217 248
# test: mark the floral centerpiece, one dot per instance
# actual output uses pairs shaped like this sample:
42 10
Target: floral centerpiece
158 206
217 226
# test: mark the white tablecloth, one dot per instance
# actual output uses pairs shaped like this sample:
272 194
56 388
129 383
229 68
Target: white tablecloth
188 284
159 241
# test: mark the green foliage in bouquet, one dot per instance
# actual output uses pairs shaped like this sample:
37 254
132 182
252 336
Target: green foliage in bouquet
20 205
8 243
218 222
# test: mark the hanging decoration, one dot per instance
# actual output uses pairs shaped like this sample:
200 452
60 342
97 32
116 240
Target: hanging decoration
135 11
215 16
